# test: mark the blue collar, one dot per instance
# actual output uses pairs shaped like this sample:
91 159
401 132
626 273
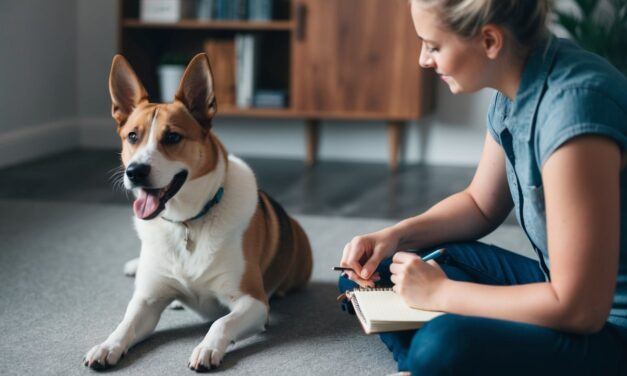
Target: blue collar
214 201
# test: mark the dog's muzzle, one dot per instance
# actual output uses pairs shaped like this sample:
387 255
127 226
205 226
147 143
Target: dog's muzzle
151 201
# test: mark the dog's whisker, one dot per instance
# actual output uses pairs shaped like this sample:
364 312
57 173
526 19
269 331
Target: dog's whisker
116 172
117 180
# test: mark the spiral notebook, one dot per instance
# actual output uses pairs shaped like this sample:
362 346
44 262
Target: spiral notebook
382 310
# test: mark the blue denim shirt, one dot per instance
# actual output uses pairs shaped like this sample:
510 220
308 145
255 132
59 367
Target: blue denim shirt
564 92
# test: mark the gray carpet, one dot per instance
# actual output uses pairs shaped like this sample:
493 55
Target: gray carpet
62 291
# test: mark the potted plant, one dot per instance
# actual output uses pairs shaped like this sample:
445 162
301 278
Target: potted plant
170 70
600 26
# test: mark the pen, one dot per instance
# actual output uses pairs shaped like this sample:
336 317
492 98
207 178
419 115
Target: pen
435 254
343 269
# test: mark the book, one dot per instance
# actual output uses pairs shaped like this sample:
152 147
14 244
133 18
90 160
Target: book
266 98
205 9
246 56
165 10
382 310
260 10
221 52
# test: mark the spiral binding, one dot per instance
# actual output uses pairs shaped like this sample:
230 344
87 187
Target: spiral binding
348 293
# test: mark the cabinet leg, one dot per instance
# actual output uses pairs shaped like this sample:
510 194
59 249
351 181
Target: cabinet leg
312 129
395 138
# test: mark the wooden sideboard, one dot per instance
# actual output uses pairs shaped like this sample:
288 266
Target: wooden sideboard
334 59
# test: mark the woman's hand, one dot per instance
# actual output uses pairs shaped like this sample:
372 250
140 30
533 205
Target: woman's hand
364 253
418 283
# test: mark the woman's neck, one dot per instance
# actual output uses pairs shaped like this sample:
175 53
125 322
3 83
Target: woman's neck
509 73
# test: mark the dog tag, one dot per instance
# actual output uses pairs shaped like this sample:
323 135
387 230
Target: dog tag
187 239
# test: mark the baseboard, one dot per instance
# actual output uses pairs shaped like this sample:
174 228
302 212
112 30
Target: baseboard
37 141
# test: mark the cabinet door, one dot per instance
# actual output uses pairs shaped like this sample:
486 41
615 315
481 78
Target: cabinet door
358 58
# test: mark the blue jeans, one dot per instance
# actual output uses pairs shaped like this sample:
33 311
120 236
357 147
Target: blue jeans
464 345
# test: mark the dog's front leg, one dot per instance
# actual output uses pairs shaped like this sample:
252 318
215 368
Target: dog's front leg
140 319
248 316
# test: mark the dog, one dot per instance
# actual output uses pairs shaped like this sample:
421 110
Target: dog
209 238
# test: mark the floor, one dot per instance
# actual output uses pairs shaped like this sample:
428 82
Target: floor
349 189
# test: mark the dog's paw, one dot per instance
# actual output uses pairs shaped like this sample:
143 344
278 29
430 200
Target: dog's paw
176 305
205 358
103 356
130 268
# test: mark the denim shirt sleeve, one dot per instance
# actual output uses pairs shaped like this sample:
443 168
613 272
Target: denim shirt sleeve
577 111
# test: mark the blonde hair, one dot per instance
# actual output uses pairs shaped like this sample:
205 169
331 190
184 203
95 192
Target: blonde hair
525 19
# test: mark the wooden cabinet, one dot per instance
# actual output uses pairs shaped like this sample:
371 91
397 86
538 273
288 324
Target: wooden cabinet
335 59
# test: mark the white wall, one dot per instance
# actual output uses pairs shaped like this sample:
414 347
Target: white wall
37 78
96 45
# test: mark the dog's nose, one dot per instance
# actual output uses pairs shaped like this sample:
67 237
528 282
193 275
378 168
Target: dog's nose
138 173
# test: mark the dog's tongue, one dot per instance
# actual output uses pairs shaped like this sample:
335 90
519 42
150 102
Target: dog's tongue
145 204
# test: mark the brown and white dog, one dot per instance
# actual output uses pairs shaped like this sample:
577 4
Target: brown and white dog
209 238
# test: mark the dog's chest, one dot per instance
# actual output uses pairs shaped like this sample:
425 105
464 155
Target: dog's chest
208 261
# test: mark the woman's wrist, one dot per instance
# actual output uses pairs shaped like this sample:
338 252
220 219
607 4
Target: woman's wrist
397 231
405 232
442 294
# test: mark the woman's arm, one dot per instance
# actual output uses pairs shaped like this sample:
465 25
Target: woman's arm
581 185
466 215
469 214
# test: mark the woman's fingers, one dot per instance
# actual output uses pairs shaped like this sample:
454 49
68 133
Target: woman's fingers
372 263
360 256
355 252
395 268
435 265
403 257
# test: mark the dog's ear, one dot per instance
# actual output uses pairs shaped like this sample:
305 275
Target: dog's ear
196 90
125 88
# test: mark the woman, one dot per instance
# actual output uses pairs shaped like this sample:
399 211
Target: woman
555 152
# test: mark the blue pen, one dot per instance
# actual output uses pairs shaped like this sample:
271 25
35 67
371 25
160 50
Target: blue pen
434 254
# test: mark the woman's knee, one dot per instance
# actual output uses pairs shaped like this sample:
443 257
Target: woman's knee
443 345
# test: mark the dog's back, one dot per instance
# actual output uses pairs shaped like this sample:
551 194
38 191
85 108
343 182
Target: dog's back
289 268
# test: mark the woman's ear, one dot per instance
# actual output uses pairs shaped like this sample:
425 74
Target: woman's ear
492 40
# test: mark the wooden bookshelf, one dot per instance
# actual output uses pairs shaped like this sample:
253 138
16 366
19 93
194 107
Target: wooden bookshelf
334 59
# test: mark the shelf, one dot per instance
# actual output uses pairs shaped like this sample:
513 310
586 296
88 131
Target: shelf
287 113
211 25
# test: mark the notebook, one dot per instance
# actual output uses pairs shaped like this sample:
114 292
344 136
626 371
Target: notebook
382 310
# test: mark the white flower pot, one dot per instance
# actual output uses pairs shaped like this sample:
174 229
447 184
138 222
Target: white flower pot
169 79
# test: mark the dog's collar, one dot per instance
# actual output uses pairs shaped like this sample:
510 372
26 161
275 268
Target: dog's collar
214 201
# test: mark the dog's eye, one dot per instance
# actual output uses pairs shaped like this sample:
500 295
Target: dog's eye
132 137
171 138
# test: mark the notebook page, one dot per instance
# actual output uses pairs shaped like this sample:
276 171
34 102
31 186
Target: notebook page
386 305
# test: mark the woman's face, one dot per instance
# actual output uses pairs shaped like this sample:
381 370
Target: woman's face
461 63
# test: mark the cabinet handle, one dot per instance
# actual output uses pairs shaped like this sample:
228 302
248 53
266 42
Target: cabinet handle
301 10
